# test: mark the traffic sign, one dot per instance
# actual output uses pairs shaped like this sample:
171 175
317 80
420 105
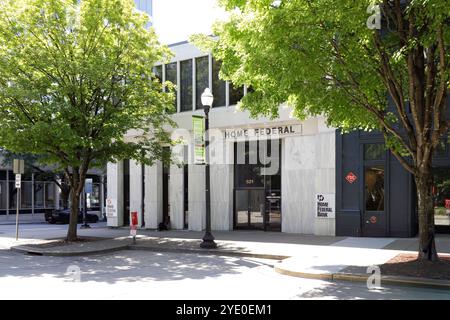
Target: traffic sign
18 180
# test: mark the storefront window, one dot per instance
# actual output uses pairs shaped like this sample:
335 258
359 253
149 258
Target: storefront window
374 186
12 195
26 201
93 199
186 85
3 195
441 193
39 195
49 195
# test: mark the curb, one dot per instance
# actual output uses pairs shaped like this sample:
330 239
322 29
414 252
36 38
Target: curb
42 252
359 277
397 280
207 252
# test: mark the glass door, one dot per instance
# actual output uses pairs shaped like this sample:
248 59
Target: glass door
249 209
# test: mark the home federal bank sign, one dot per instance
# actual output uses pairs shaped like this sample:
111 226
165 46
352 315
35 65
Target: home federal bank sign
266 132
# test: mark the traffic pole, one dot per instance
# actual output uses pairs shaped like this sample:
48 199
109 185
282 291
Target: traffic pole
17 214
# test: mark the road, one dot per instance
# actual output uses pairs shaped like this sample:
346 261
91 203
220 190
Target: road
148 275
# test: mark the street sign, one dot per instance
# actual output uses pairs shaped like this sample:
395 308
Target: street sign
18 166
18 180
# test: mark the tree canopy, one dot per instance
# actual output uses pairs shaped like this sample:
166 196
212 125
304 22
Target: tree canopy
76 77
371 65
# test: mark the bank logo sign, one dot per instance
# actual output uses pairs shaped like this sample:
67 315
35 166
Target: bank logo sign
325 205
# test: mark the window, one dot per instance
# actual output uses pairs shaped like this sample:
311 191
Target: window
201 79
441 193
171 75
49 195
39 194
374 151
158 72
236 94
25 195
374 187
218 89
3 195
186 85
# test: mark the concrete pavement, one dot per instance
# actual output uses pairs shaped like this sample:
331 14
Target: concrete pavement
318 257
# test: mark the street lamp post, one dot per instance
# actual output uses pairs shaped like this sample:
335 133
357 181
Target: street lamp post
208 238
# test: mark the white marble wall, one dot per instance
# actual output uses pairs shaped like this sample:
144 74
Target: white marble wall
115 191
176 196
308 169
136 189
197 208
153 197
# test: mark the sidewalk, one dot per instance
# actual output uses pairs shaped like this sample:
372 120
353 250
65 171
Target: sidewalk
320 257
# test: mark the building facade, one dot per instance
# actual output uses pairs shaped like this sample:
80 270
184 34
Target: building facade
266 174
274 175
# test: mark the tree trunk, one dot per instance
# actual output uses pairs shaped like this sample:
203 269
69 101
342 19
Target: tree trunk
425 199
74 208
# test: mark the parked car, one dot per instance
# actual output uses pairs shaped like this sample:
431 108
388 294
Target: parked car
63 216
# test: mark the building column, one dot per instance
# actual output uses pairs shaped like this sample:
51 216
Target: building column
222 183
176 196
102 196
136 190
197 202
153 198
115 192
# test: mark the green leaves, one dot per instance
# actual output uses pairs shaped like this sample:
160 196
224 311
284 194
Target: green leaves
76 77
321 58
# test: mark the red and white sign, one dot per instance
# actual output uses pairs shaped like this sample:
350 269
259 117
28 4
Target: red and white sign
133 223
447 204
351 177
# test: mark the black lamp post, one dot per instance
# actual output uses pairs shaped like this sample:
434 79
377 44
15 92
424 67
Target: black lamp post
208 238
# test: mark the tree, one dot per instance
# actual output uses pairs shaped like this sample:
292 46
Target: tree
75 78
321 57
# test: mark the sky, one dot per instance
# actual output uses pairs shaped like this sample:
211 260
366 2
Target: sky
175 20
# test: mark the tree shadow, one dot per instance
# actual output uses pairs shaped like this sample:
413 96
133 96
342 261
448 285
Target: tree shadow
124 266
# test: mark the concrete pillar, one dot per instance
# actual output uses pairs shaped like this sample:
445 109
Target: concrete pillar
136 190
176 196
197 208
222 184
153 197
115 192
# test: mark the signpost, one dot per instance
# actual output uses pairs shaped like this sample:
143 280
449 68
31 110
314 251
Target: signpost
133 225
18 169
198 128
